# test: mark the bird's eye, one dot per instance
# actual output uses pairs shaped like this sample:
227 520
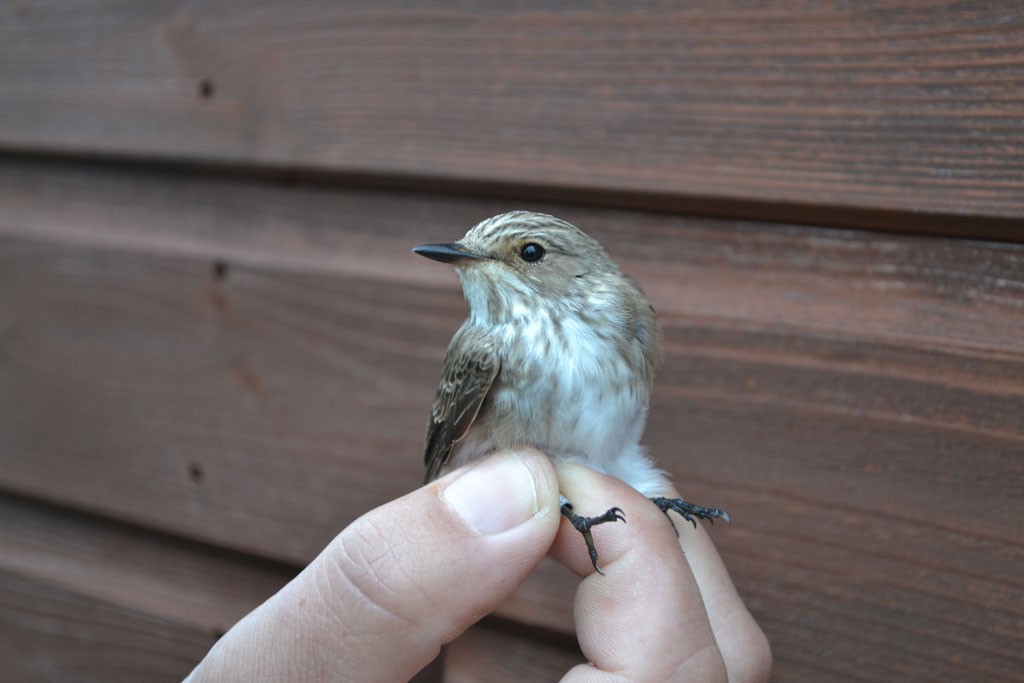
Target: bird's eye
531 252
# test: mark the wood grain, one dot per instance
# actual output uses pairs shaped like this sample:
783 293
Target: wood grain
51 634
86 599
492 655
854 400
192 585
212 378
904 113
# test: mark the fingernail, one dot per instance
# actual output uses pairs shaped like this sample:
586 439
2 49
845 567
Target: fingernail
497 495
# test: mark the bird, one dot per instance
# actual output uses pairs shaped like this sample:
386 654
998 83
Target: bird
558 352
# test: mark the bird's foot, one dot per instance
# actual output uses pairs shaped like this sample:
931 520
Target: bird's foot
584 524
690 512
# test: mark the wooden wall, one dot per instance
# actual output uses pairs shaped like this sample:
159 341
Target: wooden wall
216 349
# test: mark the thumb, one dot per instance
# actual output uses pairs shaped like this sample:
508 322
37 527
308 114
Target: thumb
399 582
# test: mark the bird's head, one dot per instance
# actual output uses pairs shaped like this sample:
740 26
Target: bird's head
521 259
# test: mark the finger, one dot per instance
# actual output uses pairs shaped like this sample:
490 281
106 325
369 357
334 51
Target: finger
644 620
402 580
743 644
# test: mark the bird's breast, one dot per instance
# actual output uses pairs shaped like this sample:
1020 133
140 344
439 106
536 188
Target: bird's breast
568 389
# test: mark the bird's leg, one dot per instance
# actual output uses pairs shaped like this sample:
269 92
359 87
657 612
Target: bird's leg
690 512
583 525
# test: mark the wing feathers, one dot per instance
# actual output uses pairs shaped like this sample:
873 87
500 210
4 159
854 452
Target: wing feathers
470 366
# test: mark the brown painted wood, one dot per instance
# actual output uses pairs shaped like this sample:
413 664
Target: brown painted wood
854 400
82 599
51 634
85 599
486 655
192 585
322 381
908 113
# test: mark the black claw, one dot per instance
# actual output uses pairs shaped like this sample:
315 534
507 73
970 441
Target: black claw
688 511
584 524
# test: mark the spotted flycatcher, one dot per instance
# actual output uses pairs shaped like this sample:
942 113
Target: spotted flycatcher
558 352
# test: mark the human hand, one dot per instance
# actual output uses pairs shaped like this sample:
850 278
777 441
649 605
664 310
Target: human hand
665 609
381 599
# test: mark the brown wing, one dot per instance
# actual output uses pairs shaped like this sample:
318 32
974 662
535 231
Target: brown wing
470 366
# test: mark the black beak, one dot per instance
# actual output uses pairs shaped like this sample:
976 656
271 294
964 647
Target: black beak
453 252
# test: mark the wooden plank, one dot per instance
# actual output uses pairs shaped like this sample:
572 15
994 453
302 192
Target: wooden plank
193 381
907 113
51 634
194 586
854 400
492 655
197 384
86 600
